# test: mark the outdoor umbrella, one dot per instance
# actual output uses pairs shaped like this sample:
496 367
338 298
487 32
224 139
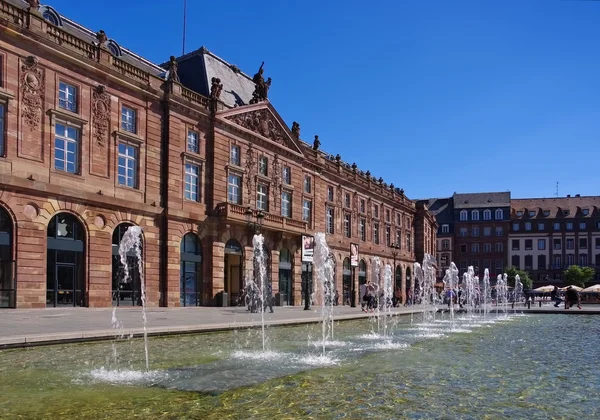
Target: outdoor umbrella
579 289
544 289
592 289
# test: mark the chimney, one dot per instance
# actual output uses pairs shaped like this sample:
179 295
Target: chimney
577 195
568 195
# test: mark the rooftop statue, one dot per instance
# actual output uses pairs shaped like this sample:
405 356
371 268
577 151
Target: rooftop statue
261 89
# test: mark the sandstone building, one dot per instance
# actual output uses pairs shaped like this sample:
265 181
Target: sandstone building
95 139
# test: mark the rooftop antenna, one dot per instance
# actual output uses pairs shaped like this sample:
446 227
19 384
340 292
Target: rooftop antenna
184 19
556 189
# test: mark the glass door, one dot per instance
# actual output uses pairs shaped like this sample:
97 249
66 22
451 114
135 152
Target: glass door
65 285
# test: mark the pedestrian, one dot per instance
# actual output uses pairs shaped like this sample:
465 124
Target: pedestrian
554 297
268 298
571 297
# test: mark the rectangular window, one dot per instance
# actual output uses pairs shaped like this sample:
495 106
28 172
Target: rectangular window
233 189
286 204
347 225
192 182
387 216
516 244
541 244
487 231
499 247
487 247
515 227
570 243
527 225
330 194
445 228
376 211
569 225
363 229
362 206
234 156
463 231
463 265
398 238
262 197
541 262
408 243
556 261
67 97
192 142
307 184
306 210
347 200
582 225
463 249
499 231
583 260
541 226
376 233
499 266
528 262
329 220
516 261
475 247
570 260
388 235
597 243
582 243
528 244
66 148
475 231
128 120
128 156
263 166
556 244
2 133
557 226
286 175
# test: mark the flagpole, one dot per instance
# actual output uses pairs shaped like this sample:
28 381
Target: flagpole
184 19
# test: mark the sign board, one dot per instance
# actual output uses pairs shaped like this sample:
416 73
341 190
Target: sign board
308 248
354 255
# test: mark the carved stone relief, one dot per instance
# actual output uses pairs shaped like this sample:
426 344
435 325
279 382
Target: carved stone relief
263 123
32 90
101 115
276 177
250 175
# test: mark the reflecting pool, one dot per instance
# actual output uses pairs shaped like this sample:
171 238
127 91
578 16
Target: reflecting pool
515 366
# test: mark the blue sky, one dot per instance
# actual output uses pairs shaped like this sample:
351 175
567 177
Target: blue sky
435 96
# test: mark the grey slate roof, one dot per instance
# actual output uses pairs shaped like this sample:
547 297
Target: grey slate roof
441 208
88 35
196 69
480 200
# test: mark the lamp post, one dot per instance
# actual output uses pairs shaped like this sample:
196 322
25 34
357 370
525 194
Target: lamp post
395 252
256 224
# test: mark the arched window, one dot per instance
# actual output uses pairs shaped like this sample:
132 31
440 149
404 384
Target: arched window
474 214
114 48
463 216
233 279
499 214
65 276
487 214
51 15
362 273
7 279
398 283
190 276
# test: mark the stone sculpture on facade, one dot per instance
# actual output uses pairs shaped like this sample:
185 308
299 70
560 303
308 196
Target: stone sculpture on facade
261 90
215 88
172 73
34 4
316 143
32 89
101 115
296 129
101 37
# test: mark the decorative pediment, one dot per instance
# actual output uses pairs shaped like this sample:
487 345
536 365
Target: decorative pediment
263 122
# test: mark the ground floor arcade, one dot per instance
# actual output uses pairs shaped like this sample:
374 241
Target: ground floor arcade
56 253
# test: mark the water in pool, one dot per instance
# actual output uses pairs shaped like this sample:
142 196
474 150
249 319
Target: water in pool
515 366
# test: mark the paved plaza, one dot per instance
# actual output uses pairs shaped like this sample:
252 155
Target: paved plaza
27 327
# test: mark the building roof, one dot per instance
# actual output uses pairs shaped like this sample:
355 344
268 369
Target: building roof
88 35
479 200
441 208
556 208
197 68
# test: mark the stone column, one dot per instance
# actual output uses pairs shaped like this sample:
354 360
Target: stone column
31 244
275 271
218 268
297 277
99 289
403 282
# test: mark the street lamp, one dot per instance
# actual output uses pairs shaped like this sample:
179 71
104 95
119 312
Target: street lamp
254 225
395 252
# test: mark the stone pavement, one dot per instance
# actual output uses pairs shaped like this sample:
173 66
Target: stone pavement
30 327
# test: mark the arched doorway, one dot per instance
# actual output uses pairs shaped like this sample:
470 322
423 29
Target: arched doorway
398 280
307 281
233 283
346 281
286 297
130 292
8 296
190 273
409 290
362 273
65 269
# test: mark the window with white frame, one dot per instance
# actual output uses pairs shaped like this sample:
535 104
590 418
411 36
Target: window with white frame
262 197
515 227
487 215
541 244
263 166
582 243
445 228
487 231
306 210
128 165
582 225
557 226
234 183
475 247
499 247
527 226
463 216
347 225
474 214
362 205
329 193
286 204
307 184
286 175
192 182
541 226
347 200
192 142
376 211
234 155
376 233
445 244
388 235
128 119
329 213
499 214
398 238
583 260
362 227
66 148
569 225
408 242
67 97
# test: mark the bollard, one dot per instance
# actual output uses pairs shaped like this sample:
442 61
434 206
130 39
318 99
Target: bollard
540 303
513 305
528 304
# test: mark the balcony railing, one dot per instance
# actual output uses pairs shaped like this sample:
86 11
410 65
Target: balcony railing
195 97
237 212
72 42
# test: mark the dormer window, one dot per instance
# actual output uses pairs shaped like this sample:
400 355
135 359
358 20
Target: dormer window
51 15
519 213
532 213
585 212
114 48
474 214
546 213
566 212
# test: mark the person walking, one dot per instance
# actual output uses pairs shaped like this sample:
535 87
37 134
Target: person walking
572 296
554 297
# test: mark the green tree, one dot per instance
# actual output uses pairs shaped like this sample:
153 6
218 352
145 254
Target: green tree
579 276
511 272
